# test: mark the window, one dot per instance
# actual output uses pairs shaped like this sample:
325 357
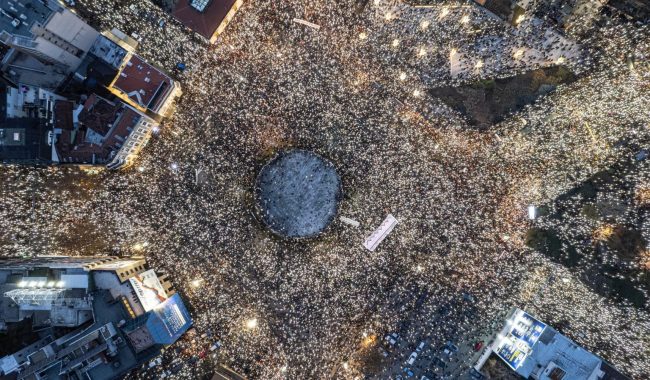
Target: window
199 5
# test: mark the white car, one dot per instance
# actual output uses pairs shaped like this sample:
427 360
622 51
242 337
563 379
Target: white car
414 355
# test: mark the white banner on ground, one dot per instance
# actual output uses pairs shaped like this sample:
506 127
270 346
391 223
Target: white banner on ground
305 22
380 233
349 221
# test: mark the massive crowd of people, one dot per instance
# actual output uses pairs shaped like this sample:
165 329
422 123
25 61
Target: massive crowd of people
354 91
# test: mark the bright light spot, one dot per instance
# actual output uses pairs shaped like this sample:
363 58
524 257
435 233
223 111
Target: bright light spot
565 280
50 284
388 16
561 60
363 36
141 169
402 76
444 13
22 284
424 24
251 323
464 19
60 284
518 54
377 2
395 43
417 93
520 19
174 166
32 284
155 129
196 283
283 369
419 268
346 365
137 246
478 64
453 51
532 212
603 232
422 52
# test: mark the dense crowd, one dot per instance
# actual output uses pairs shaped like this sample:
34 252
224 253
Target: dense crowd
355 92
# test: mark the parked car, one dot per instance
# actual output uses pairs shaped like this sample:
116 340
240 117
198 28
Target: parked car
392 338
411 360
439 362
451 346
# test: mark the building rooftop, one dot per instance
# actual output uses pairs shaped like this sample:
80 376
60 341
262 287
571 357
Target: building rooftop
18 17
143 84
202 16
103 127
24 139
107 341
535 350
108 51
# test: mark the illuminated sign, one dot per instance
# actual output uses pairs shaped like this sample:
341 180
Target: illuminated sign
148 289
169 320
522 333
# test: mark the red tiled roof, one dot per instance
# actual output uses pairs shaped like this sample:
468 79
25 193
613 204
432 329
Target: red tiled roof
128 120
63 114
99 114
141 82
204 23
95 108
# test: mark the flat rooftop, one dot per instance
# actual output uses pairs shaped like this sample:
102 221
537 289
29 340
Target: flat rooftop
108 51
27 12
206 21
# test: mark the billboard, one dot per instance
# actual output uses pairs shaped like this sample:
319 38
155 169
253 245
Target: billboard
169 321
522 332
148 289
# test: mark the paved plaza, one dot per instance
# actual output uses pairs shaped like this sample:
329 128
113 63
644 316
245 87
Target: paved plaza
354 91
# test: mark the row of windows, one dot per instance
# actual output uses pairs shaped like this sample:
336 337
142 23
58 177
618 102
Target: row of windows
133 270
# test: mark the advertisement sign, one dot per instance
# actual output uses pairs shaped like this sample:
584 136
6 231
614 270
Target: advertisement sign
148 289
169 321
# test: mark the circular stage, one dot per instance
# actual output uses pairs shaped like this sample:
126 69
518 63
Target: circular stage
298 194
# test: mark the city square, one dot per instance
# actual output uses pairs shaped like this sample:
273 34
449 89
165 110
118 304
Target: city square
354 85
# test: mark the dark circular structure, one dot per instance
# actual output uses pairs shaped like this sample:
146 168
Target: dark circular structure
298 194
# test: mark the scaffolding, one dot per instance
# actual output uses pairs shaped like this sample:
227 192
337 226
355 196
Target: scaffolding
34 297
